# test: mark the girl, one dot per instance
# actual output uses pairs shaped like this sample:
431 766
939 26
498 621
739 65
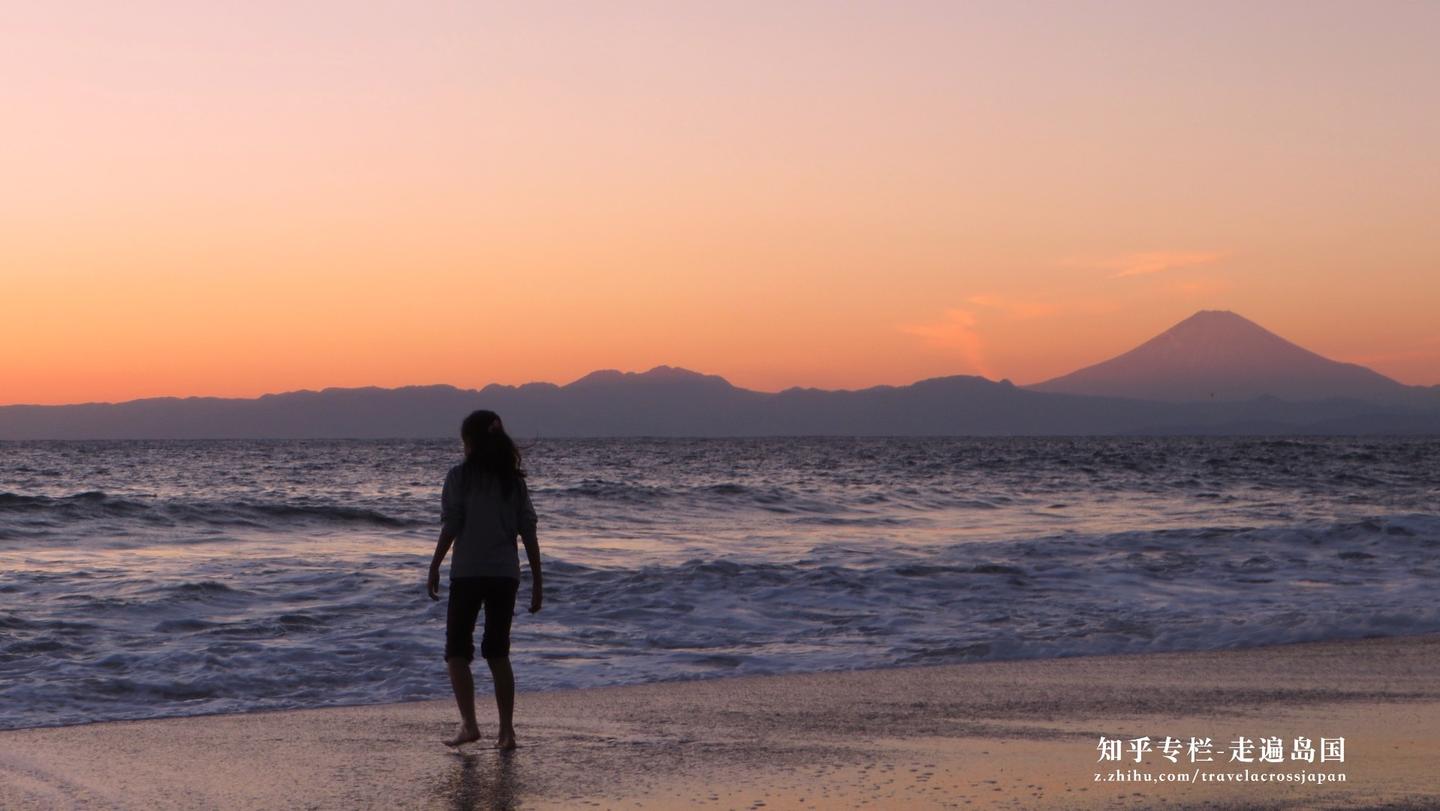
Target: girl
484 504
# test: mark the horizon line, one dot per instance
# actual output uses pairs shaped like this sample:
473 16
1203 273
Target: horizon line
1000 381
666 368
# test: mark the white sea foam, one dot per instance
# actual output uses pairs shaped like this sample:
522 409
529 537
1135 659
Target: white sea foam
146 579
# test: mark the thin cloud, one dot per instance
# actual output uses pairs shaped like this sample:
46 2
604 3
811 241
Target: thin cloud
1151 262
1021 308
956 332
1201 287
1016 307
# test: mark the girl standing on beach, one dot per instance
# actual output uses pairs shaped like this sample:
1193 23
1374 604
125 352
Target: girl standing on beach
485 504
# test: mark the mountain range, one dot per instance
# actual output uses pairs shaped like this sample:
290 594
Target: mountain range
1214 373
1218 355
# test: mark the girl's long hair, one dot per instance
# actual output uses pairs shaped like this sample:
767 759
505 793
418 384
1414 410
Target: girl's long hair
492 452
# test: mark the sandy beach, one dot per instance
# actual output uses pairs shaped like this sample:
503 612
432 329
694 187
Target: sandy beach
1019 734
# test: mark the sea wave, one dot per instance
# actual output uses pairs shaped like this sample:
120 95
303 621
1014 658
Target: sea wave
264 633
166 578
94 505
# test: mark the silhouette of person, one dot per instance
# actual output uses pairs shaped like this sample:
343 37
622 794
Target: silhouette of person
485 504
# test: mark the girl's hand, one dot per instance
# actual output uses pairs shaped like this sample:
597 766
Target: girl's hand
432 585
535 597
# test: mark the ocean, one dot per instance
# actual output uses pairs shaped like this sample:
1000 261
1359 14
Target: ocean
141 579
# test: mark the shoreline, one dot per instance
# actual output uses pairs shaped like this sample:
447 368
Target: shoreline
1015 733
482 681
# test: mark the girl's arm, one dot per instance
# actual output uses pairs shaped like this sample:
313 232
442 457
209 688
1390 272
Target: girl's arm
442 546
532 551
452 518
532 546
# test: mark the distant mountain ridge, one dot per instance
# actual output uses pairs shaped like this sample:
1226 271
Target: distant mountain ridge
1218 355
671 401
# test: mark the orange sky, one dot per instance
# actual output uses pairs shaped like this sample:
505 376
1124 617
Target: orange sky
276 196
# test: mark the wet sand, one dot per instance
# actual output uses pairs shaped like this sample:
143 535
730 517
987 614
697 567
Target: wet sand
996 734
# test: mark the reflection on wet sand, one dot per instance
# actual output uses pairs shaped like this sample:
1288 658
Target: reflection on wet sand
1018 734
484 778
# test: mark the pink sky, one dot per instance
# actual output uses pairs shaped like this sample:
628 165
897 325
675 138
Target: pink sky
269 196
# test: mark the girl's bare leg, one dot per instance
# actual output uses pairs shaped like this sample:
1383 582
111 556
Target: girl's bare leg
464 685
504 700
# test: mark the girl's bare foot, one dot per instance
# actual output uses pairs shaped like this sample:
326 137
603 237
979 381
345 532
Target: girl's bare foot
467 735
506 740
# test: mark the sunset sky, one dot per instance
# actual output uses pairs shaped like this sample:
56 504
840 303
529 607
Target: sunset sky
233 199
